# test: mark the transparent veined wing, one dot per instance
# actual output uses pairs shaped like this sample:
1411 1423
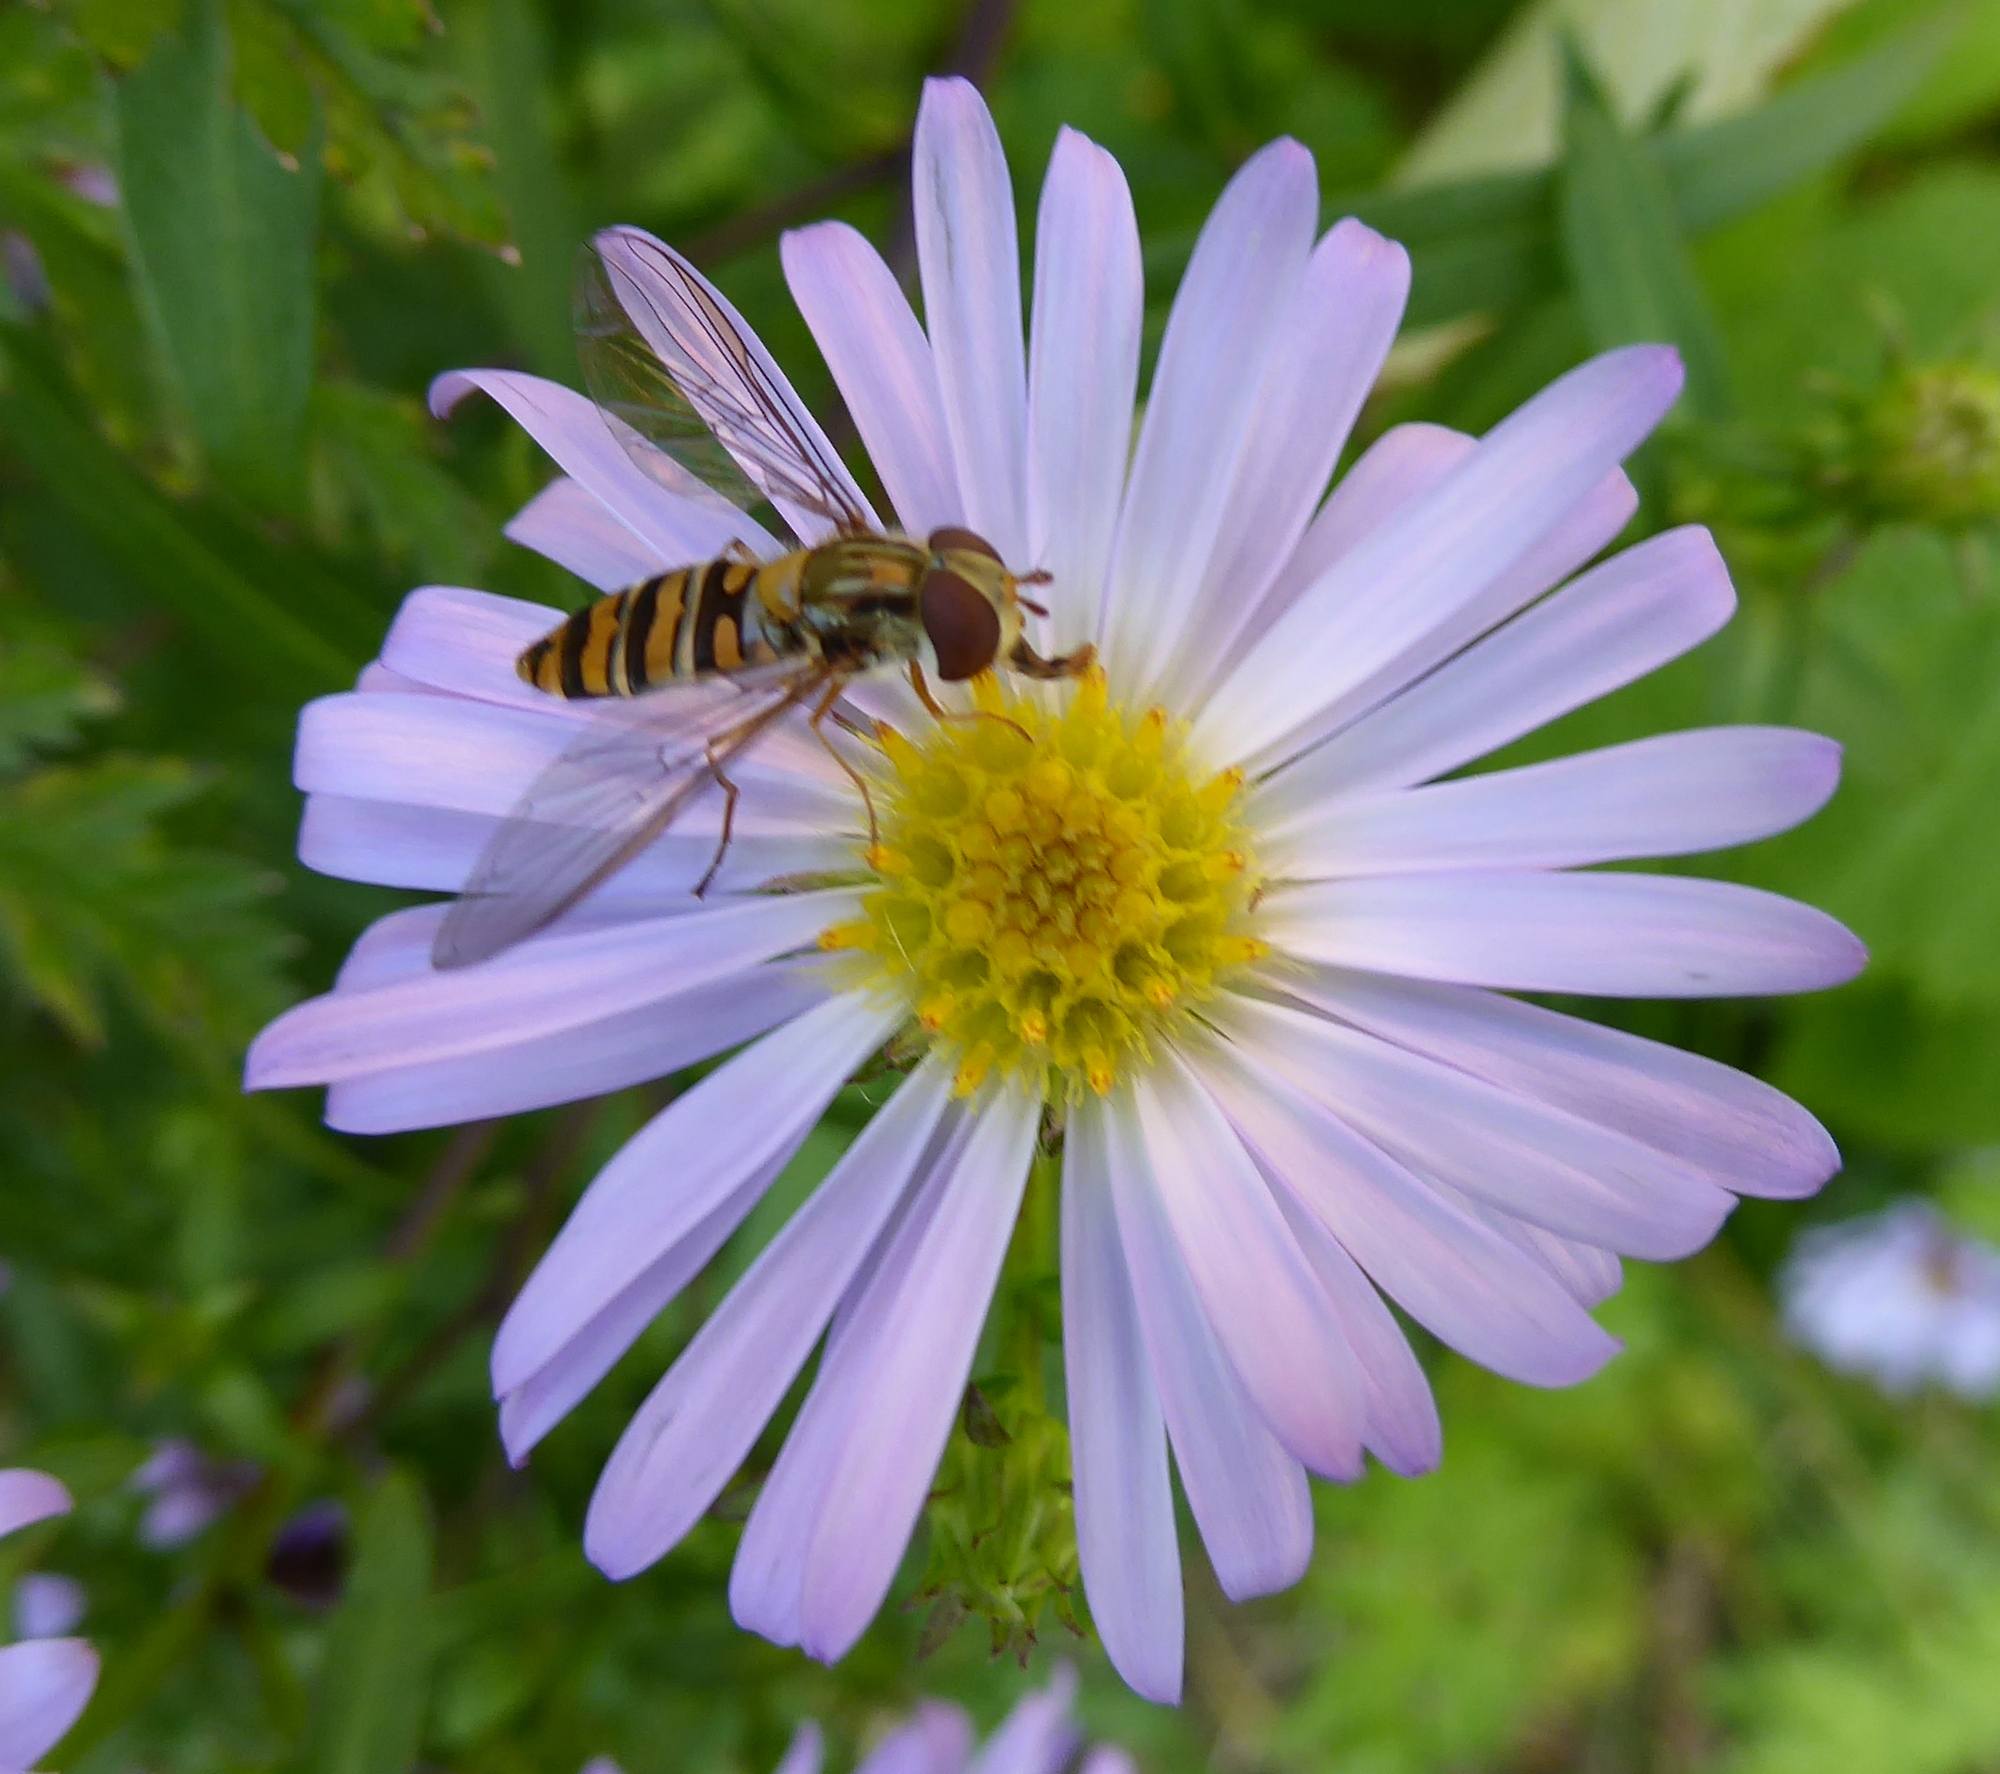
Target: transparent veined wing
614 789
669 362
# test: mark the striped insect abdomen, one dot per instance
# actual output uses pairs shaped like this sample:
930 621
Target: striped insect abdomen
694 621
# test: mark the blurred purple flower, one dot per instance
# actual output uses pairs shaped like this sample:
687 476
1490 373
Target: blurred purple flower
1356 1110
308 1560
45 1683
1038 1737
1901 1297
47 1605
187 1490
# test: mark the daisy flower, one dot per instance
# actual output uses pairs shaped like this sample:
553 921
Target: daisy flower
1037 1737
44 1682
1210 921
1901 1297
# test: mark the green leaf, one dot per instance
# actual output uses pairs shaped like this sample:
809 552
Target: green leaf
1491 244
1898 663
398 130
369 1712
45 697
1622 242
1731 167
1889 1070
93 895
1707 57
502 46
222 235
243 622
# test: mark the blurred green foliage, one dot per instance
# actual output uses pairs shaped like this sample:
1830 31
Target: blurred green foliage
238 236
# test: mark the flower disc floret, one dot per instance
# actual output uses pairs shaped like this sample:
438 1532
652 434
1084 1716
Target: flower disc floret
1055 886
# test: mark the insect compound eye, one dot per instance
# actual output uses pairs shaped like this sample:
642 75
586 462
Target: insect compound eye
958 538
963 625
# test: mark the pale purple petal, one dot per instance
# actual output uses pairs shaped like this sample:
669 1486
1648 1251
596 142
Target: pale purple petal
1037 1737
644 274
1453 1274
1083 371
900 1373
179 1513
1328 353
541 1401
446 637
1588 1274
767 1580
47 1605
1674 794
970 264
1105 1759
28 1496
1269 1312
1126 1543
1616 623
1441 551
666 509
1403 1430
1240 282
573 528
1248 1495
476 757
700 1422
1609 935
1404 461
44 1687
881 362
1747 1136
587 1060
1575 538
540 987
379 680
677 1169
937 1740
396 946
1519 1155
392 844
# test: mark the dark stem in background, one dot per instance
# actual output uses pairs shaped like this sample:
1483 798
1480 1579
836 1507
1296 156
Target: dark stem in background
981 37
513 1255
739 233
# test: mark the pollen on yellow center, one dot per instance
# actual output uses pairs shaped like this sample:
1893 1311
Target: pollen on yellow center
1053 886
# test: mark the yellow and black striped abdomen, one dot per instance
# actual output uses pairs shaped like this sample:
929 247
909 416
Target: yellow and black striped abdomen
685 624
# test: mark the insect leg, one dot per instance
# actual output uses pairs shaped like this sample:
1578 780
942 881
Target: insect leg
817 723
938 711
731 794
1031 664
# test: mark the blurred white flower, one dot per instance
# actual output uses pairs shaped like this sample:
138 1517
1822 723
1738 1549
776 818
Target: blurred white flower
1901 1297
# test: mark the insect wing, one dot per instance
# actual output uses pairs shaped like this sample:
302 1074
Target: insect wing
614 789
670 362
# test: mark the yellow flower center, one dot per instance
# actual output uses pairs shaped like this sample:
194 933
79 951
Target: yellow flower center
1055 886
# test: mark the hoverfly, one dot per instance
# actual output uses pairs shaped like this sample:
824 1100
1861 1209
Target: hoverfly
687 391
